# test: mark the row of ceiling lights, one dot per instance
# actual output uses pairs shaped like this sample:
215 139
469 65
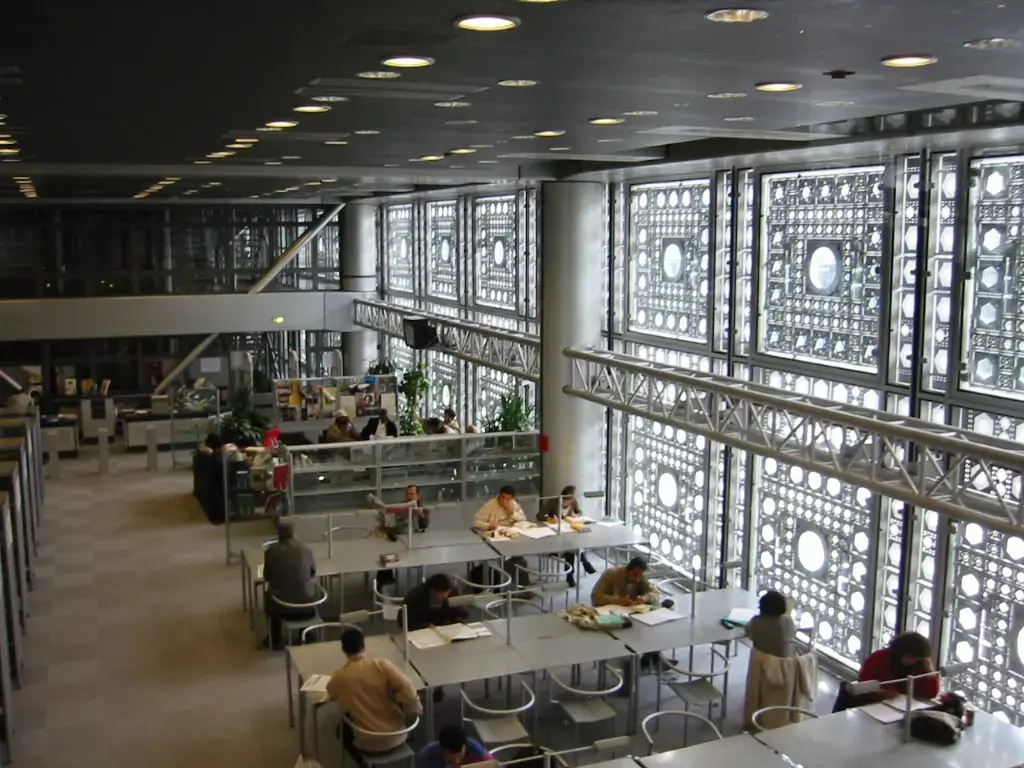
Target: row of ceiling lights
158 187
8 144
25 186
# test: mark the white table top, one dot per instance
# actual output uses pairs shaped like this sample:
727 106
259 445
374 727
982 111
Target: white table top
325 658
743 751
598 537
470 660
622 762
706 627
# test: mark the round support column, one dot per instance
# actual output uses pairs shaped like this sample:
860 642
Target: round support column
573 224
359 274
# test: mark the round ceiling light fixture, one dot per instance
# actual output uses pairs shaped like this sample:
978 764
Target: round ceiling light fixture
376 75
641 113
272 162
7 142
336 143
281 124
778 87
291 157
278 320
559 149
727 95
517 83
548 134
218 155
835 103
366 133
407 62
329 99
743 119
736 15
431 158
992 43
524 137
909 60
493 162
487 23
8 151
239 146
200 162
606 121
452 104
247 141
312 109
462 151
481 146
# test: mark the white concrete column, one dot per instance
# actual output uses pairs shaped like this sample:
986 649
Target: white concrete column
359 273
572 255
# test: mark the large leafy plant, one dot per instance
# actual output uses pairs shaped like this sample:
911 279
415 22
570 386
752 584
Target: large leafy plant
413 388
243 425
513 415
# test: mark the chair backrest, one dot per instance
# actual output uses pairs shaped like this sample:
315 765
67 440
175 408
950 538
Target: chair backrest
516 604
408 729
320 599
619 681
529 699
645 726
756 718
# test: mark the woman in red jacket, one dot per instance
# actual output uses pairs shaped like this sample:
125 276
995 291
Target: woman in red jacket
907 655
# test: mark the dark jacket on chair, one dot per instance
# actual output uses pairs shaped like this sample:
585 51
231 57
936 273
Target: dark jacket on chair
391 429
424 611
289 571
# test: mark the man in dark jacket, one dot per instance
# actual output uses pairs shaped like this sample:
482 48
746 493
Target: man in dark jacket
373 426
427 604
289 573
570 508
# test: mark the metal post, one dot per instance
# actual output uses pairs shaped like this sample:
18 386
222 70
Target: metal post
103 436
263 282
152 463
53 451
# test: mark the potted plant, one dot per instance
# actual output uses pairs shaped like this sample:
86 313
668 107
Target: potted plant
512 415
413 389
243 425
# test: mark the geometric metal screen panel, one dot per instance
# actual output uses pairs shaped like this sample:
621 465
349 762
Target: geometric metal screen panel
905 236
399 253
939 305
496 253
669 256
402 356
528 234
444 252
814 535
667 478
445 390
821 265
993 313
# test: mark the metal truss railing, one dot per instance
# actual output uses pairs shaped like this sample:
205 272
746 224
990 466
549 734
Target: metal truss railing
963 474
514 353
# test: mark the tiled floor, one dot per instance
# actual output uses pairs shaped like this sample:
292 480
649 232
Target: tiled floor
138 653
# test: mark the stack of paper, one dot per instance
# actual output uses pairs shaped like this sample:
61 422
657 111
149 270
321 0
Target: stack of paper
656 617
479 629
316 684
539 532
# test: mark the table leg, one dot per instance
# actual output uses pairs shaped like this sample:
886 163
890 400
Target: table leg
302 722
429 707
288 680
245 591
634 695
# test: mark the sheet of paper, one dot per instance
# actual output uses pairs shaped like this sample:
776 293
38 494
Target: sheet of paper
656 617
455 632
741 616
316 684
479 628
881 712
427 638
615 610
537 533
524 525
900 703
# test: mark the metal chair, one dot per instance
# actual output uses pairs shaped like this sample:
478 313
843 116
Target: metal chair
499 754
498 726
291 625
698 689
546 583
583 706
653 718
389 605
401 753
515 602
798 711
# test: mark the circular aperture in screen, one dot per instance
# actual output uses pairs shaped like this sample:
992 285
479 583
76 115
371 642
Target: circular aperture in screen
810 551
672 261
823 269
499 252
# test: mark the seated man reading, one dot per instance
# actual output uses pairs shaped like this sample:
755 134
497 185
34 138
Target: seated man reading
570 508
503 511
625 585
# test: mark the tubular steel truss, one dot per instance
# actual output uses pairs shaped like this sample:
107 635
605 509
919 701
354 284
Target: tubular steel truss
963 474
508 351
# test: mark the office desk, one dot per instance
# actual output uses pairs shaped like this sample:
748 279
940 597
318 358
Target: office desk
304 661
741 751
598 537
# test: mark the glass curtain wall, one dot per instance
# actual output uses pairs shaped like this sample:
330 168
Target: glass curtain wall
471 258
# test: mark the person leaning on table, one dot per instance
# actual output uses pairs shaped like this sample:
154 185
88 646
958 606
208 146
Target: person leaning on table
503 511
906 655
374 694
427 605
570 508
626 585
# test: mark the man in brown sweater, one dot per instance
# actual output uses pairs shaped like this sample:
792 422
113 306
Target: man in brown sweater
625 585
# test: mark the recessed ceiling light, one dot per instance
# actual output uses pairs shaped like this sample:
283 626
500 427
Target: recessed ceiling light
291 157
452 104
462 151
641 113
909 60
267 129
606 121
743 119
328 181
390 165
559 149
992 43
9 151
517 83
481 146
431 158
312 109
281 124
278 320
531 137
246 141
736 15
487 23
7 142
201 162
727 95
407 62
607 141
336 143
366 133
488 162
213 184
549 134
220 154
778 87
836 103
379 75
460 122
329 99
311 184
239 146
272 162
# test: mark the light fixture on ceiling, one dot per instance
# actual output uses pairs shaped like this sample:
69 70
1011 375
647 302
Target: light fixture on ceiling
378 75
909 60
559 149
291 157
736 15
487 23
452 104
608 141
200 162
327 99
239 146
213 184
531 137
778 87
311 109
174 178
268 129
487 162
548 134
727 95
272 162
462 151
7 142
407 62
835 103
218 155
431 158
313 183
992 43
641 113
327 181
9 151
246 141
606 121
281 124
743 119
460 122
336 143
278 320
366 133
517 83
481 146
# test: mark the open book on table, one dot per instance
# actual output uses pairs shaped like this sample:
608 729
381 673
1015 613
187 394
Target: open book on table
656 617
531 530
892 710
435 637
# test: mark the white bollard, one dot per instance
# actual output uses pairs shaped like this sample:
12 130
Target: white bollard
152 464
103 435
53 452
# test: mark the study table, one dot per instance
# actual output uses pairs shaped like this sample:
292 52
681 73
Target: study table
742 751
